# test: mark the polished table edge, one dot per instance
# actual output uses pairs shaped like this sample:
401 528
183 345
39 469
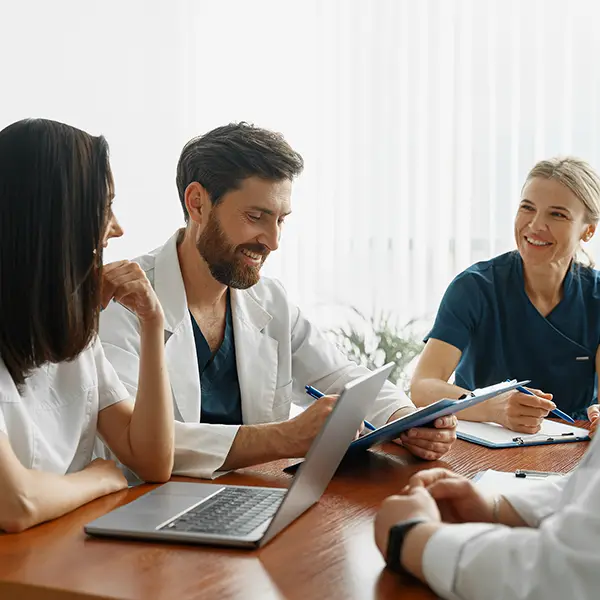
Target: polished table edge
389 458
10 590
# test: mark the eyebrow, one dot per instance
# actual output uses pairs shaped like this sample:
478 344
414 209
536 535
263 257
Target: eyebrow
268 211
554 206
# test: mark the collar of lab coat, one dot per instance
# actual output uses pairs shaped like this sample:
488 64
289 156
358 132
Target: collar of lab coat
169 286
256 351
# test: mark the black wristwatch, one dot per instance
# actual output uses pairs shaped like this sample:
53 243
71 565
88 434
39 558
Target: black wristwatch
395 541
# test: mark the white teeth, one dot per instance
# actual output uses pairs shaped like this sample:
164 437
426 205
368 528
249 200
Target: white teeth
252 255
537 242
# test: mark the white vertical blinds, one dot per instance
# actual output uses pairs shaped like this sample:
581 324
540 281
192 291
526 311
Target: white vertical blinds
418 120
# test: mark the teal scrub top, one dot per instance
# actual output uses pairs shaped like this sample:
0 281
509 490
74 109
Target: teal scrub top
221 399
487 315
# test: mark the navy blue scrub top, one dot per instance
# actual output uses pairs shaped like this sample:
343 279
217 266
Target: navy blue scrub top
487 314
221 401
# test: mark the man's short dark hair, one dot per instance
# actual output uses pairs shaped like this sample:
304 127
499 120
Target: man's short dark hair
54 186
221 159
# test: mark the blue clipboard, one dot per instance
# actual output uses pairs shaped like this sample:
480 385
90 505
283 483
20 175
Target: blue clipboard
519 441
428 414
422 417
522 443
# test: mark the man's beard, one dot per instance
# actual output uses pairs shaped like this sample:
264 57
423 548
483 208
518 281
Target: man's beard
223 259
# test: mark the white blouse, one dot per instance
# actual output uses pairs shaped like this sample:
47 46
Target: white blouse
52 424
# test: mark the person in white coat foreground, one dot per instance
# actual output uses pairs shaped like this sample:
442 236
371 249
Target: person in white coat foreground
238 351
538 544
57 390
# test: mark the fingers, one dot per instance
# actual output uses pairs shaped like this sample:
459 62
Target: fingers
540 393
542 404
525 424
447 422
446 436
445 489
328 401
429 476
520 410
427 443
593 412
435 449
115 274
128 288
424 453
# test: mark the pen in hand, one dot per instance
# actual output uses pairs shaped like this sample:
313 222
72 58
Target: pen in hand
316 394
556 412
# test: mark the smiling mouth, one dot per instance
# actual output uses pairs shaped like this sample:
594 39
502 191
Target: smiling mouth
254 257
537 243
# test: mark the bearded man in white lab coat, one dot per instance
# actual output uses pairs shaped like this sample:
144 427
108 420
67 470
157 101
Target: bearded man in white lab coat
238 351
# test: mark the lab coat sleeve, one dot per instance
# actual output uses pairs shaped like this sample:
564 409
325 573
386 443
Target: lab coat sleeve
317 361
200 448
558 559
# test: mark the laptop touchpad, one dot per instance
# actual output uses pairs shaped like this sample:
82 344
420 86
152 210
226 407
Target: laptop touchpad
153 509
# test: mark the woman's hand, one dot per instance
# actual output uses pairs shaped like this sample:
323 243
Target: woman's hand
125 282
108 474
521 412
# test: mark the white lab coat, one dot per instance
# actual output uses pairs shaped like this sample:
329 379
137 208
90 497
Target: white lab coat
557 557
278 352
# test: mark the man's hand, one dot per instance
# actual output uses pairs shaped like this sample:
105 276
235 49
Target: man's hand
417 502
429 443
458 499
301 431
521 412
594 417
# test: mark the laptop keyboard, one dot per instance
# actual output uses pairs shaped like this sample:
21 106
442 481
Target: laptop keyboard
232 511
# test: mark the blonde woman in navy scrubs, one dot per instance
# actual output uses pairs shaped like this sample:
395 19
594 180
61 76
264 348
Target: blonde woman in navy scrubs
533 313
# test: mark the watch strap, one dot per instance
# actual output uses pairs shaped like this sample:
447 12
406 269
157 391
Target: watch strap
396 538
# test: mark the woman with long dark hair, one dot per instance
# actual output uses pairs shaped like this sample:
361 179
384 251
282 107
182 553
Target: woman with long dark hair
57 390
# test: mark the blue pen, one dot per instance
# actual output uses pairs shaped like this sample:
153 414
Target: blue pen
316 394
556 412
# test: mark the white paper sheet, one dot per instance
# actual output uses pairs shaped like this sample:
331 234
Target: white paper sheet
494 433
492 482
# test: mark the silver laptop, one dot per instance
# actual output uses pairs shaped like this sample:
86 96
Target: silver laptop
246 516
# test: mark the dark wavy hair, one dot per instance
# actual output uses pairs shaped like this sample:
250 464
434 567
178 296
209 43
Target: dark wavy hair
221 159
55 182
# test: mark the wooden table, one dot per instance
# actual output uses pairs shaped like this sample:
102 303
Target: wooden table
328 553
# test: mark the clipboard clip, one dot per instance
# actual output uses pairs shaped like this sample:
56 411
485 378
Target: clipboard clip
542 436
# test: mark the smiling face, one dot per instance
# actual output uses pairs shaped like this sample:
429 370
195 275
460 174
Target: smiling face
243 229
550 223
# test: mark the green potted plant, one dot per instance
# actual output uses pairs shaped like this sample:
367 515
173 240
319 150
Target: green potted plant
373 341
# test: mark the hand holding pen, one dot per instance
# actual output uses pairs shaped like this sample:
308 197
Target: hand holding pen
521 411
555 411
316 394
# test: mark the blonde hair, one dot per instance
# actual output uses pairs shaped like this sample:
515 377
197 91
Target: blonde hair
579 177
